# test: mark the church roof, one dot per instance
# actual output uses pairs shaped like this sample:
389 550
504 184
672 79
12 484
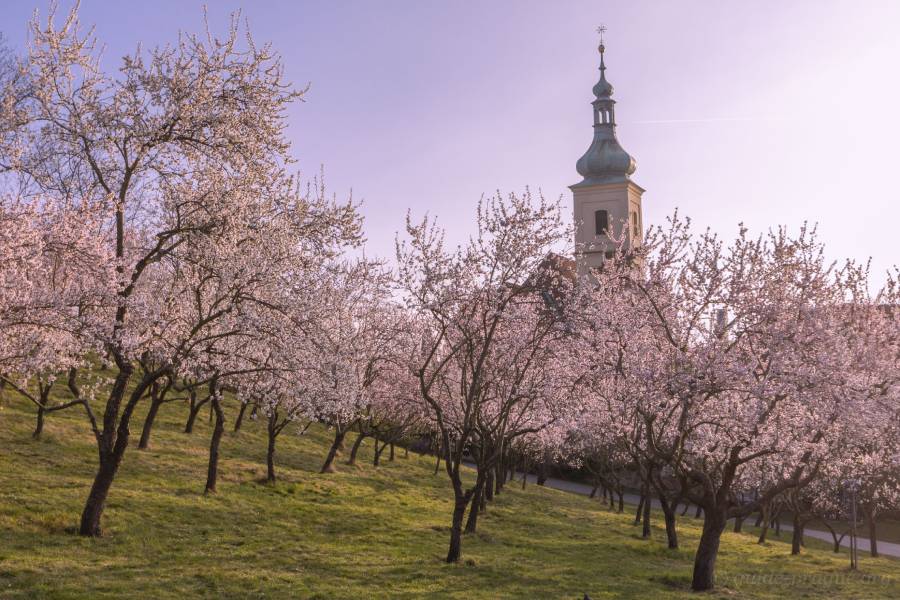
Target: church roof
605 160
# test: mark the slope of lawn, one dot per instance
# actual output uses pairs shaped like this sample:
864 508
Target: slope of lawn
358 533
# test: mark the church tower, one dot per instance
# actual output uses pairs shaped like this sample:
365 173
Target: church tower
607 201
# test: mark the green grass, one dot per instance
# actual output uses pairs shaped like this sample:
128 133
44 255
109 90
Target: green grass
359 533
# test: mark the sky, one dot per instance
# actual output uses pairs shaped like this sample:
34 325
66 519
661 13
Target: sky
767 112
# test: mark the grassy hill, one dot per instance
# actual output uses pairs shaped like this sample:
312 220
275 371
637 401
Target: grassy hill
359 533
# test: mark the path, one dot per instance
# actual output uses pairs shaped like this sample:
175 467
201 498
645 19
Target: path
885 548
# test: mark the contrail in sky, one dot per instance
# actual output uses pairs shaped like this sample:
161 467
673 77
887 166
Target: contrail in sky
707 120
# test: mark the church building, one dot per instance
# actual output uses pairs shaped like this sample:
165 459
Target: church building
607 201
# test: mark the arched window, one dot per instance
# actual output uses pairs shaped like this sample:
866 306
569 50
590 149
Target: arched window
601 222
634 224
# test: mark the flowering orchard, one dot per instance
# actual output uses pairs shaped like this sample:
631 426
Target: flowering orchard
154 248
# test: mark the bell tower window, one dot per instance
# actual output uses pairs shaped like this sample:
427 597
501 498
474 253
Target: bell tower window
601 222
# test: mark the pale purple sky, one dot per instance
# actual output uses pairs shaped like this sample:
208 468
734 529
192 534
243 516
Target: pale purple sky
766 112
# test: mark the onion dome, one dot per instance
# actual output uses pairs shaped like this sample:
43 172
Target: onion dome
605 161
603 88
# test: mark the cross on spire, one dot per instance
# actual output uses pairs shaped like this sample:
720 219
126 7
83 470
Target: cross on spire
601 30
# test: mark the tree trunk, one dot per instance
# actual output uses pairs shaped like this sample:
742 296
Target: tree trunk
477 499
39 425
594 492
671 531
459 511
488 489
640 510
156 398
437 464
379 450
93 508
391 453
669 516
797 537
193 411
192 417
212 471
111 447
111 450
272 428
765 520
621 500
836 541
542 474
873 533
328 467
704 577
148 425
687 505
645 532
738 524
44 397
240 418
354 450
698 512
